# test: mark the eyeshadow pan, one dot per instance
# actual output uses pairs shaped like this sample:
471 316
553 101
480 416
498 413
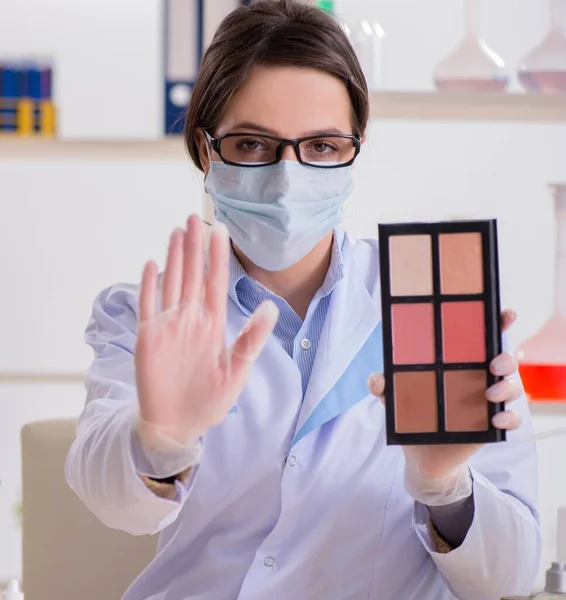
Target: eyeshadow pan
463 332
465 404
461 269
413 334
415 402
410 260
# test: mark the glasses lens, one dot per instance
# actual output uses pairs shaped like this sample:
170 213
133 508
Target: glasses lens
327 150
245 149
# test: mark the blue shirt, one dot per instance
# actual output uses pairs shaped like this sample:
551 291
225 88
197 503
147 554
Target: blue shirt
297 337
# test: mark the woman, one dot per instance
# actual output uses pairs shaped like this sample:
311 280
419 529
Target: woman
228 408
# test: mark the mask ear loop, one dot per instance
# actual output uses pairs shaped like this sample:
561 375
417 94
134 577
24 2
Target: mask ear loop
208 153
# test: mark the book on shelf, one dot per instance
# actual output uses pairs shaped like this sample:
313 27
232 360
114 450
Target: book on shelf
26 98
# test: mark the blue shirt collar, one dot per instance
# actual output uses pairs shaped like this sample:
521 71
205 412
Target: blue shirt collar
238 277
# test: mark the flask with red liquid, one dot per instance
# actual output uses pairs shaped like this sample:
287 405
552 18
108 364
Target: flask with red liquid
542 358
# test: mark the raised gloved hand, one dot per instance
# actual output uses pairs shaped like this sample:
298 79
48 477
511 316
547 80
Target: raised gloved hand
437 475
187 379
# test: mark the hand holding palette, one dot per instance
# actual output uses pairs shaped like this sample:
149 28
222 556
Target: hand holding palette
441 329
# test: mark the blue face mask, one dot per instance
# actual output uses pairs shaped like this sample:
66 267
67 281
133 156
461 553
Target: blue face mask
277 214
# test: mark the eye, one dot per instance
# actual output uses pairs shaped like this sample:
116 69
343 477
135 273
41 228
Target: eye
323 147
249 144
320 148
248 148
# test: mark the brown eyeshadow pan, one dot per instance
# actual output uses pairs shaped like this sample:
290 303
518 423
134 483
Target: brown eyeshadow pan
415 402
465 404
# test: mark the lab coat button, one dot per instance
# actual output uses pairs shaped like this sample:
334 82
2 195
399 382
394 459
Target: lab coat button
292 461
305 344
269 561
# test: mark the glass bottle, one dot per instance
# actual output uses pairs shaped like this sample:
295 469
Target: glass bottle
555 588
366 36
473 66
542 358
544 69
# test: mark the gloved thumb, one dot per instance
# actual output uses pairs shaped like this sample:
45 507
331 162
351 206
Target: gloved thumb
376 384
252 339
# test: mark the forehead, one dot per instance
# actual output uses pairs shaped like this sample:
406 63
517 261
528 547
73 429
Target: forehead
291 101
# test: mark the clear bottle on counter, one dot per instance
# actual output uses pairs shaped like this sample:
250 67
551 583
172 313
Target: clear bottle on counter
555 588
542 357
544 69
473 66
13 592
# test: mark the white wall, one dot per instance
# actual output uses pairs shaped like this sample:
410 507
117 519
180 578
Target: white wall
76 227
72 227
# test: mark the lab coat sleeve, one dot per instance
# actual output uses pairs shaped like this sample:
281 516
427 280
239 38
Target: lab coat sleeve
500 555
105 462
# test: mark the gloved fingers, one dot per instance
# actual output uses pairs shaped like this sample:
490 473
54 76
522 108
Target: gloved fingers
216 286
252 338
193 261
173 275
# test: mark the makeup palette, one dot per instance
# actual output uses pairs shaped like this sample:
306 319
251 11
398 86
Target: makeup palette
441 329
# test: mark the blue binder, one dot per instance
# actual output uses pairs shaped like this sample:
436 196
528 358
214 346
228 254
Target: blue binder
184 33
20 81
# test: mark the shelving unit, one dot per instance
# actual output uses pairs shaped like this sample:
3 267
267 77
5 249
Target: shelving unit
41 377
469 107
423 106
547 408
18 148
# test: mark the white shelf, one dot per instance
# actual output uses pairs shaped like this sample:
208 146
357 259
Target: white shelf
18 148
28 377
424 106
548 408
448 106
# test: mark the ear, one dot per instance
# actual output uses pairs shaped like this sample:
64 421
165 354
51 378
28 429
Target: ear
202 146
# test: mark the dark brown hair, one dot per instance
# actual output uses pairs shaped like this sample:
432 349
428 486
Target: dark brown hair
272 32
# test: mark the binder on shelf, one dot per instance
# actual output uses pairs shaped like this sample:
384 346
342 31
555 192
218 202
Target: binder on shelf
26 103
184 32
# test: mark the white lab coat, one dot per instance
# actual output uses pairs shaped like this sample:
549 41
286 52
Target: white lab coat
299 499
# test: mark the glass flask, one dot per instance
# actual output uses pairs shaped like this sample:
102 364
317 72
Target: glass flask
544 69
472 66
542 358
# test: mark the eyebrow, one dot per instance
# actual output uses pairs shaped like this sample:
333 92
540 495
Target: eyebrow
246 126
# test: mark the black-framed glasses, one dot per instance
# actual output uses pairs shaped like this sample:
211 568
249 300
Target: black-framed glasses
330 151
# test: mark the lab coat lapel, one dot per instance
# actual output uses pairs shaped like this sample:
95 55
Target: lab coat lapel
348 351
